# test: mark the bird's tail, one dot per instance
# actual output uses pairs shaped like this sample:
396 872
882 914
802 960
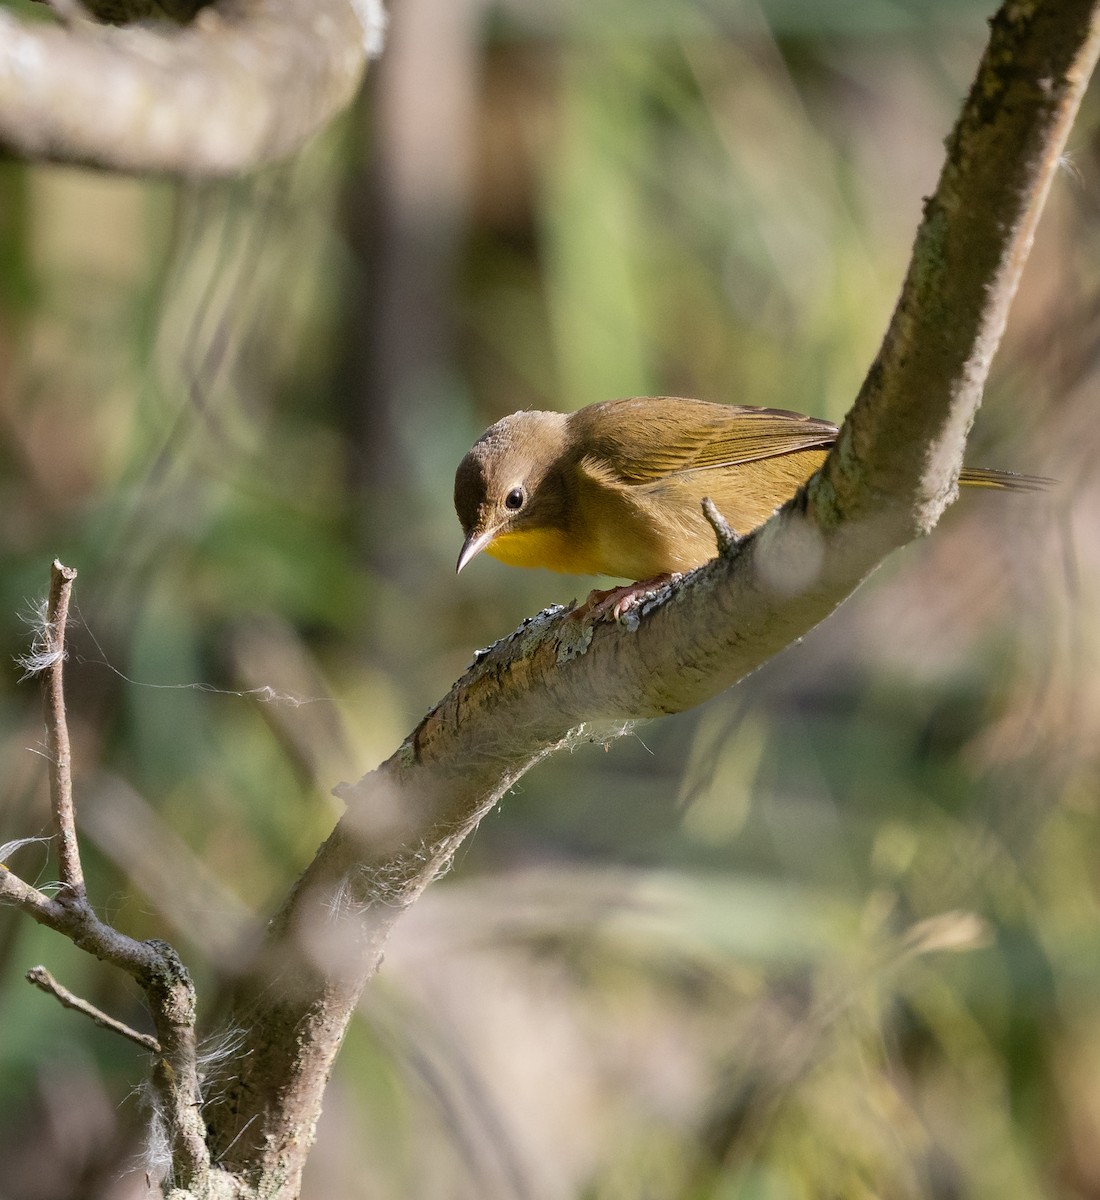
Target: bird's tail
1004 480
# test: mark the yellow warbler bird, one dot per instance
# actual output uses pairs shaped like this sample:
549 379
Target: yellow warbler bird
617 488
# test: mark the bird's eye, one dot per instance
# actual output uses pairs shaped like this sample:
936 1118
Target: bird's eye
515 498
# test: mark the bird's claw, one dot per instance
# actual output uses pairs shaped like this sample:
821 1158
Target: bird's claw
616 602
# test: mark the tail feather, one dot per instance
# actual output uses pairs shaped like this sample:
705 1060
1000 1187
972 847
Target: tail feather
1004 480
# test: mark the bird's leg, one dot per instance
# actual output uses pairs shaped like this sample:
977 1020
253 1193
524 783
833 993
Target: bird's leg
616 601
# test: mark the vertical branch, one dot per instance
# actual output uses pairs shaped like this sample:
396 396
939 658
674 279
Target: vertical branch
154 964
57 731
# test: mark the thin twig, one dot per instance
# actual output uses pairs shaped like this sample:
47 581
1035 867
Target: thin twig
728 539
154 964
57 731
42 908
42 978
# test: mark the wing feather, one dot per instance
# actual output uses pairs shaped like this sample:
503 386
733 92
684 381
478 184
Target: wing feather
642 440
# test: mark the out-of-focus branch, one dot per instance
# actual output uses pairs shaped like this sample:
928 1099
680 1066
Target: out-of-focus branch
246 83
123 12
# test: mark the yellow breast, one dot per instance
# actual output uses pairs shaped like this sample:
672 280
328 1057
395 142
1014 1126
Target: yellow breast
542 547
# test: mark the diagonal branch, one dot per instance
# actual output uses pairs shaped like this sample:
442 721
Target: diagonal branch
245 84
37 905
926 382
41 978
889 478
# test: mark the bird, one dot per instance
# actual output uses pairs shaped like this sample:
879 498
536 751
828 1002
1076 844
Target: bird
617 488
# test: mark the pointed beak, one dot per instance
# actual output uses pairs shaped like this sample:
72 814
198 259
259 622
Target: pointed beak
476 541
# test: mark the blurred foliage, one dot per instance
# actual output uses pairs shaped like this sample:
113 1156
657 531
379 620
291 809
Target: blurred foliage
834 935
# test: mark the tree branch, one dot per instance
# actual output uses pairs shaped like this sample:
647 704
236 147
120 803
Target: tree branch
123 12
154 964
889 478
29 900
57 729
41 978
245 84
555 680
925 385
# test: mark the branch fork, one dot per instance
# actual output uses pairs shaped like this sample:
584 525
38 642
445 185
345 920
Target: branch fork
155 965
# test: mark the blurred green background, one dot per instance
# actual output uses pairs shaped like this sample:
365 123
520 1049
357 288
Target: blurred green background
833 935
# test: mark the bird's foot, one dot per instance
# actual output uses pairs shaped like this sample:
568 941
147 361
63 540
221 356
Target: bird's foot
616 601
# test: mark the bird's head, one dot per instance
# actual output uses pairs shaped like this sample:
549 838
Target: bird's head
510 493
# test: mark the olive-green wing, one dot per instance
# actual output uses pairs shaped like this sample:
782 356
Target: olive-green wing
1009 481
642 440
